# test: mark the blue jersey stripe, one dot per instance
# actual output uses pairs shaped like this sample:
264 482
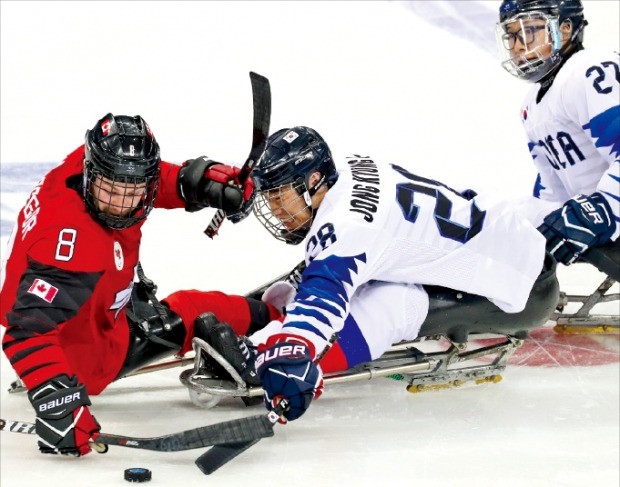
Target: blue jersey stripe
538 187
604 128
299 312
320 303
614 196
353 343
303 325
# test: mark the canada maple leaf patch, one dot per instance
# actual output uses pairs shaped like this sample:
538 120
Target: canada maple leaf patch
43 289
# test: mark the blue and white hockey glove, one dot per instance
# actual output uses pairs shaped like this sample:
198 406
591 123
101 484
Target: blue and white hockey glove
583 222
287 371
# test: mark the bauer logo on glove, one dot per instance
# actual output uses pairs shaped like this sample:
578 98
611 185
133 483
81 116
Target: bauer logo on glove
289 351
590 211
60 401
286 370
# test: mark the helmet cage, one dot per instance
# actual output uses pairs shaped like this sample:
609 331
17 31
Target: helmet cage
121 171
127 200
292 157
276 225
530 64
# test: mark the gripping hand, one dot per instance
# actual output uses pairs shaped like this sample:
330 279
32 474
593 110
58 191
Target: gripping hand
249 194
287 371
205 183
583 222
64 423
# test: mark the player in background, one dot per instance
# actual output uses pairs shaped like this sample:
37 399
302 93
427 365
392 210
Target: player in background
373 233
78 311
572 120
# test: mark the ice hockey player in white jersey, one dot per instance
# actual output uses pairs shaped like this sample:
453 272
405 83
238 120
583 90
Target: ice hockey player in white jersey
572 120
374 233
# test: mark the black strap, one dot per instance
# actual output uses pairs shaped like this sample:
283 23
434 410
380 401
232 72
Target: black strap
150 288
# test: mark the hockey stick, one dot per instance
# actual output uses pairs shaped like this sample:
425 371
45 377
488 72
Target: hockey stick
235 431
261 97
219 455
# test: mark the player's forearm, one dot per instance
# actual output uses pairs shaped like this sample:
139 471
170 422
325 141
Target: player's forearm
36 358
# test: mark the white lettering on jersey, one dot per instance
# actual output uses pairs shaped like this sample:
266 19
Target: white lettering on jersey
31 210
66 244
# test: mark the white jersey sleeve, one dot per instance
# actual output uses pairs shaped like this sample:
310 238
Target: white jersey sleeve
574 131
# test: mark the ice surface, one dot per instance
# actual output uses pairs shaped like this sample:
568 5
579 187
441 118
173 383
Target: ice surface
383 78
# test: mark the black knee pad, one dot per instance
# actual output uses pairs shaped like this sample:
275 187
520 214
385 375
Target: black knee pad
259 315
152 336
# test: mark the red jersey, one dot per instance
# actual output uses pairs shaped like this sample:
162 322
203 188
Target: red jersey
67 280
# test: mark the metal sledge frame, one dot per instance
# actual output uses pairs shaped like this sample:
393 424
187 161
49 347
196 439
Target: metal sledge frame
607 260
403 362
582 321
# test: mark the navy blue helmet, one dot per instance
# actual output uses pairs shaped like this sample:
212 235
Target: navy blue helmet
292 155
290 158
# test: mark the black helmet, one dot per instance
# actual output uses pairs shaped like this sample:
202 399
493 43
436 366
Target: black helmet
291 156
122 153
554 13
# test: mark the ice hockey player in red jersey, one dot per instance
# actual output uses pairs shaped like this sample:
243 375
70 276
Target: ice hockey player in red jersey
78 311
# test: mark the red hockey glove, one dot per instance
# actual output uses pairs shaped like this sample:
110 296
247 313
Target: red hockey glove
64 423
204 183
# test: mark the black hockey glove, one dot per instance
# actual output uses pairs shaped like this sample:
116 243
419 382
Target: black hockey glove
64 423
286 370
583 222
248 202
205 183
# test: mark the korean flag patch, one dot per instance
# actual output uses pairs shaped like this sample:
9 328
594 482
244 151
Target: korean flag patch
290 136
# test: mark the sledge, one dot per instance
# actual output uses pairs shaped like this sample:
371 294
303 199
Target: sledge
447 352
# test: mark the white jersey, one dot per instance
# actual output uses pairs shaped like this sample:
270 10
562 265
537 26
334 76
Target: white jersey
574 133
381 223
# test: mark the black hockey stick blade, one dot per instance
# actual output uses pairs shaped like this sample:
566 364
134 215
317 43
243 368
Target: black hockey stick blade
219 455
234 431
261 100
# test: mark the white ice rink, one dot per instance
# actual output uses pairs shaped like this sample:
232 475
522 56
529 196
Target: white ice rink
416 83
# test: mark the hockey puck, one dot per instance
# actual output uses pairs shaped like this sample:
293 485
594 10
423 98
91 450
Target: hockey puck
137 474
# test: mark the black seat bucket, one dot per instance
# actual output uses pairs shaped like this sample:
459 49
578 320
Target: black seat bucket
457 314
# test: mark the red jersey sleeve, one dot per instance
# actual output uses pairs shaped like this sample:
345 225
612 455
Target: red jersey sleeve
167 194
